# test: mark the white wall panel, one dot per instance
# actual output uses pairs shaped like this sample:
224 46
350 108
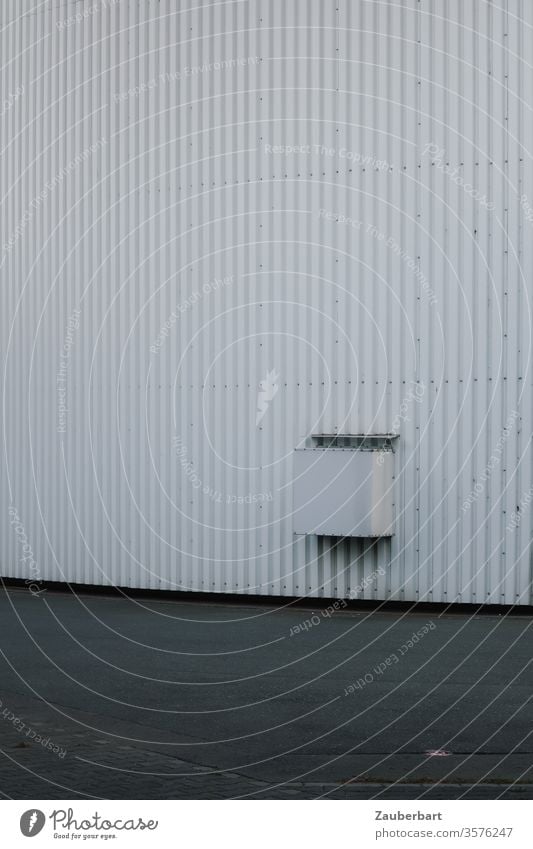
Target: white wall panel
383 271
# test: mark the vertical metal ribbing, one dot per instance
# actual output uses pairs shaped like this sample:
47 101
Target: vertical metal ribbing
182 193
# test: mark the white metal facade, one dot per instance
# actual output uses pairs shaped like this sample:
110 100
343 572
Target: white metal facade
165 249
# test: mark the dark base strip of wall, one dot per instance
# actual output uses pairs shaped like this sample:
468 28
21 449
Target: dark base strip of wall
276 602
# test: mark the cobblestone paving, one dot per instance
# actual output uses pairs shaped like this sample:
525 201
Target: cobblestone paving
107 769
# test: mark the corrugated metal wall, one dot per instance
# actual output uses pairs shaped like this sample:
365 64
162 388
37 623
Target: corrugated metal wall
196 195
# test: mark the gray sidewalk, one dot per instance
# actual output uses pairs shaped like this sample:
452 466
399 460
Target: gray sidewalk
142 698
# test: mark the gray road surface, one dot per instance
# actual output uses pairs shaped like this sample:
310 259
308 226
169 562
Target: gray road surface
148 698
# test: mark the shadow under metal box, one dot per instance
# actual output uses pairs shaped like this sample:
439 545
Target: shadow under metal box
343 492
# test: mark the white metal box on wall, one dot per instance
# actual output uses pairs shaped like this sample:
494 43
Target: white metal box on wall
228 226
344 493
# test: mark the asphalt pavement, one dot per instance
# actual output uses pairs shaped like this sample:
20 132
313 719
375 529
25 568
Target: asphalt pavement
107 696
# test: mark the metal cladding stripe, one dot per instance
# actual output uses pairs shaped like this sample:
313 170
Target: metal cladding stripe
229 226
